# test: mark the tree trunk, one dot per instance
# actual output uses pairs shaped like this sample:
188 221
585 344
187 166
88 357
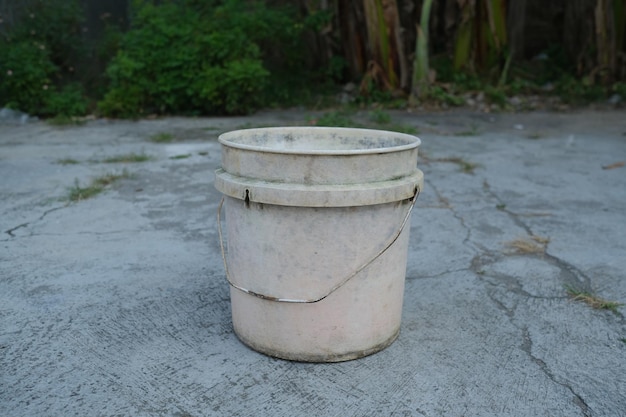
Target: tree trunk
578 34
351 22
516 17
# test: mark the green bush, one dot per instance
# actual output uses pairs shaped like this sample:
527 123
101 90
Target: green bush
26 73
186 57
38 54
69 102
575 91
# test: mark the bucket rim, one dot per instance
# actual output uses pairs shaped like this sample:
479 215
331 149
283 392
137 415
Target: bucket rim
411 141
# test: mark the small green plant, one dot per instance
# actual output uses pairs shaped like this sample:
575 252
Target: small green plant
128 158
67 103
68 161
380 117
183 156
620 88
496 96
440 95
466 166
95 187
472 131
339 118
575 91
162 137
61 120
592 300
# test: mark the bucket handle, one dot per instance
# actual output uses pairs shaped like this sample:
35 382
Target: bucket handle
333 289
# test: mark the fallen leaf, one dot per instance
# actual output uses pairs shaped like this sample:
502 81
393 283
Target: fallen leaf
615 165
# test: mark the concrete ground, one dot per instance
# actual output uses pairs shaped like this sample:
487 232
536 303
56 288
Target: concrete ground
117 305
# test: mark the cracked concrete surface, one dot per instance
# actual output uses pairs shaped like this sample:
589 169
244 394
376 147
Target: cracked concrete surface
118 306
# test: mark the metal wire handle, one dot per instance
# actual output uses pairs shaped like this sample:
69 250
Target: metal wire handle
333 289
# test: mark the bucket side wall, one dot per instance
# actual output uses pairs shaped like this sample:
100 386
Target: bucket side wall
358 319
319 169
303 252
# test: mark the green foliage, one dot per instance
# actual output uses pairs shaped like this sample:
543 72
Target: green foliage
481 36
69 102
95 187
26 75
192 58
496 96
162 137
575 91
55 24
440 95
620 88
380 117
38 54
339 118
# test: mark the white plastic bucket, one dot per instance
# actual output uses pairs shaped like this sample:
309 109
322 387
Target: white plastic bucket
316 237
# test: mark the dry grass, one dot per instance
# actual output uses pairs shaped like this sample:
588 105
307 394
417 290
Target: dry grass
97 185
465 166
592 300
529 245
127 158
162 137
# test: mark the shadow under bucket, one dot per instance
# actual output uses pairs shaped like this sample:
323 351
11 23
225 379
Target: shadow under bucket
317 225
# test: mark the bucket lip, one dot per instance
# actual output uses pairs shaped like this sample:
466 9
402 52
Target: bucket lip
411 141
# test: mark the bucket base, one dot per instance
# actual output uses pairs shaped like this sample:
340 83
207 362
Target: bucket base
334 357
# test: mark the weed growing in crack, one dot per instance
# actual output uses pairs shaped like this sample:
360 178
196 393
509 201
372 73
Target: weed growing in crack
95 187
128 158
380 117
472 131
341 118
162 137
67 161
61 120
376 119
592 300
409 130
184 156
466 166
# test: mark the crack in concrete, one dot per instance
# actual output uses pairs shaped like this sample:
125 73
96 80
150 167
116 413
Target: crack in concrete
574 275
468 231
578 400
569 274
27 224
88 233
440 274
512 284
13 229
513 216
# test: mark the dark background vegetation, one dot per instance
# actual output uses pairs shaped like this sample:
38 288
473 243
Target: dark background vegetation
133 58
